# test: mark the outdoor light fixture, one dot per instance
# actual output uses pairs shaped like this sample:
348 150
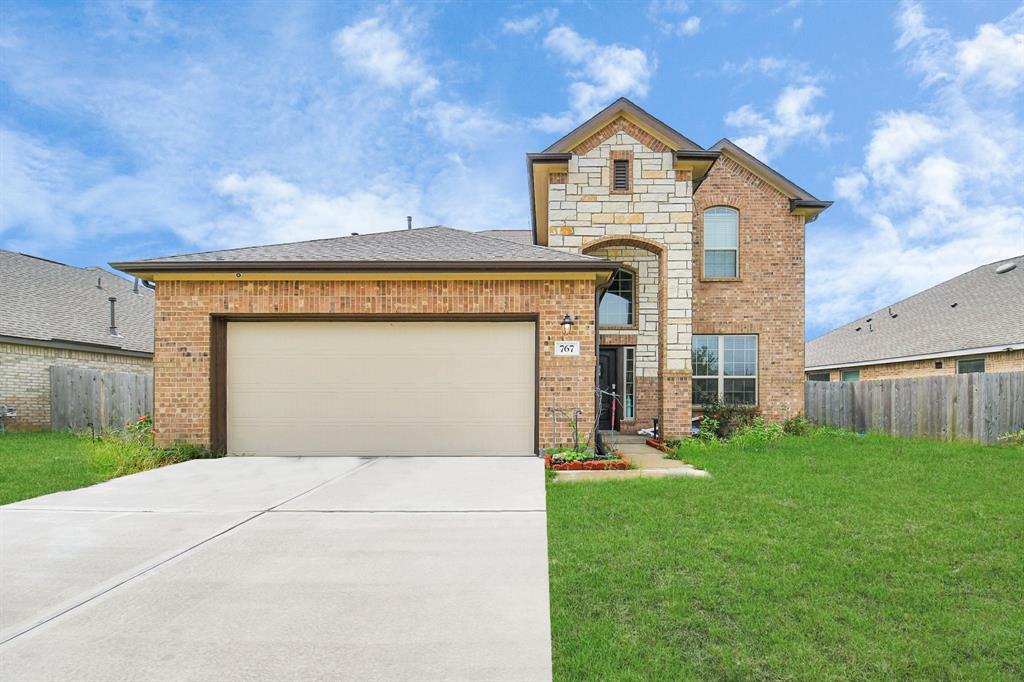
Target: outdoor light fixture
567 324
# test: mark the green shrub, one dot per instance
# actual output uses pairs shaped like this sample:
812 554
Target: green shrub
798 425
757 434
1014 438
730 418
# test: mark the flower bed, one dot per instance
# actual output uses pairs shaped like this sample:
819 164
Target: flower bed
619 463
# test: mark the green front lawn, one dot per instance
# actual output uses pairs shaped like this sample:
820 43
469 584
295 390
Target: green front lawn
38 463
811 558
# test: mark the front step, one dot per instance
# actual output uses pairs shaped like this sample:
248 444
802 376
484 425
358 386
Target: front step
616 437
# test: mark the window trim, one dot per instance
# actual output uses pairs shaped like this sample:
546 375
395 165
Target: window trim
721 376
634 310
704 248
628 383
620 155
984 365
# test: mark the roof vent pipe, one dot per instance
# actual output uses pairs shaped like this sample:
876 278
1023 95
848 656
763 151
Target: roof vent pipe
135 286
99 282
113 321
408 222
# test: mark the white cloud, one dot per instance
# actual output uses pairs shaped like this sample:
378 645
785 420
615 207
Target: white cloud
667 15
798 23
271 209
997 58
792 116
688 27
599 74
378 50
530 23
941 189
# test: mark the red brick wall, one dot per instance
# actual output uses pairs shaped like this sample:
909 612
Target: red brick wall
768 299
183 309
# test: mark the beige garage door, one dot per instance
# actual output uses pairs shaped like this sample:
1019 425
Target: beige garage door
380 388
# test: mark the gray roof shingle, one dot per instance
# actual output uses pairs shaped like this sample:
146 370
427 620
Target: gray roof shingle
425 245
988 311
48 301
522 236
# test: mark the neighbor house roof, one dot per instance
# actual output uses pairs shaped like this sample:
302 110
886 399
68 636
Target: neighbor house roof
417 250
524 236
979 311
48 303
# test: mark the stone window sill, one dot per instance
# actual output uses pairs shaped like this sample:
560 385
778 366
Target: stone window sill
721 279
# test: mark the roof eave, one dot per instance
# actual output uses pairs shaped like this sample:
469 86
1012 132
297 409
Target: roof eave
138 268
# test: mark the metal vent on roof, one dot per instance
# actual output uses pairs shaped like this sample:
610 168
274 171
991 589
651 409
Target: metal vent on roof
1006 267
620 180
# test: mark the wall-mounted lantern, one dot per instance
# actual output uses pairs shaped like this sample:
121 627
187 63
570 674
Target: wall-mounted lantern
567 324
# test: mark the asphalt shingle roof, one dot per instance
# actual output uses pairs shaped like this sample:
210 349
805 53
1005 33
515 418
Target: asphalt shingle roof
523 236
988 311
421 245
47 301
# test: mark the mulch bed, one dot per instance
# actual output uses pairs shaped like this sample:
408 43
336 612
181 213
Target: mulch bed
589 465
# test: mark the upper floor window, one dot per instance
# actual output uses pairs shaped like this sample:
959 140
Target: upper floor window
620 175
616 309
725 369
721 243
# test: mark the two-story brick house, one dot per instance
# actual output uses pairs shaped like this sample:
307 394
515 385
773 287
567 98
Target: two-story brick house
655 268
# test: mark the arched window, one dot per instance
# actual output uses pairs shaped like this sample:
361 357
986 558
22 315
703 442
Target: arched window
616 308
721 243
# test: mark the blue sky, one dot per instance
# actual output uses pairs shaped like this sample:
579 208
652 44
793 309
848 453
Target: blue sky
140 128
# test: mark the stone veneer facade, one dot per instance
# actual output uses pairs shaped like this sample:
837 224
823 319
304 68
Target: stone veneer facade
650 229
25 377
182 360
655 228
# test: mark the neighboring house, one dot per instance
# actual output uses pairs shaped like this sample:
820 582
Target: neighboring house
644 247
56 314
971 323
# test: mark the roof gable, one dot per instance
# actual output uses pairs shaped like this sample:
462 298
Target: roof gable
623 115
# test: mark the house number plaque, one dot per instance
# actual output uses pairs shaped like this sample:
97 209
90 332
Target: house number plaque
567 348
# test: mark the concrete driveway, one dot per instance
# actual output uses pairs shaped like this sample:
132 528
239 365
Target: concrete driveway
282 569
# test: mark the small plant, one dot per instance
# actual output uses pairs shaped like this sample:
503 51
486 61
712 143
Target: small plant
758 433
798 425
708 429
730 418
140 429
1013 439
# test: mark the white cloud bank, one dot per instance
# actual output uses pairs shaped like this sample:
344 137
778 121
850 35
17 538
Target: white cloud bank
599 74
792 116
941 189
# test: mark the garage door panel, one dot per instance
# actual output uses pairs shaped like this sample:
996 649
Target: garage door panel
381 388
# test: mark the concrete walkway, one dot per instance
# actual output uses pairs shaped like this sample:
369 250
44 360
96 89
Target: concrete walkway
282 569
648 462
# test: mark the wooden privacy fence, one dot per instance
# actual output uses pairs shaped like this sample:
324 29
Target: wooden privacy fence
107 400
979 407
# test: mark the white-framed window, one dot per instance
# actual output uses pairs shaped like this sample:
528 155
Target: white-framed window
721 243
850 375
629 382
725 369
970 366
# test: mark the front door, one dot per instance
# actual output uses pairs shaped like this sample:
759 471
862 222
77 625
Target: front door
610 382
